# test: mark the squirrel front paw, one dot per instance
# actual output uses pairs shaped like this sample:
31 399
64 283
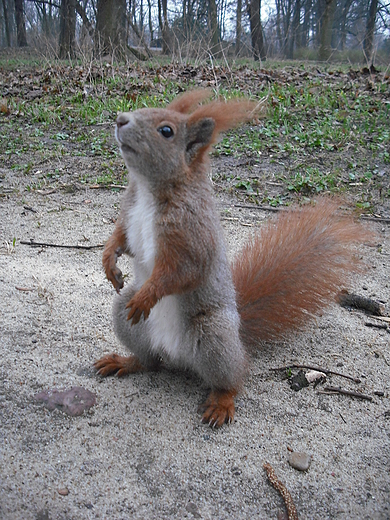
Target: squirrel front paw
114 275
141 304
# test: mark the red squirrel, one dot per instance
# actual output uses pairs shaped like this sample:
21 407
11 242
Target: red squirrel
187 304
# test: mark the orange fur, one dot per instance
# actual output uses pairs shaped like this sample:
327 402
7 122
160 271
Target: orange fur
293 268
119 365
114 247
225 115
189 100
218 408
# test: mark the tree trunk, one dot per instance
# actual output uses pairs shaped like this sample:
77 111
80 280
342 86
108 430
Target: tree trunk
104 23
164 27
238 27
305 29
67 28
80 10
294 33
213 26
20 23
368 42
326 30
258 49
6 24
150 20
343 23
118 29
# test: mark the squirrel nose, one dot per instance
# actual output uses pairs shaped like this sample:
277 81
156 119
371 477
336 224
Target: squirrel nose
122 119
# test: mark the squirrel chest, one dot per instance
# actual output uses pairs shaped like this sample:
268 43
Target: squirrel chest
140 229
165 324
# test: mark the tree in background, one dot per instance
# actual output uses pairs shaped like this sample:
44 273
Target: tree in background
213 28
325 30
67 29
368 42
189 28
110 32
6 23
257 37
20 23
238 27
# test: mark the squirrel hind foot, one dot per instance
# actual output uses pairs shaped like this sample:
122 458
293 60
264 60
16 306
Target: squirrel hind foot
218 408
119 365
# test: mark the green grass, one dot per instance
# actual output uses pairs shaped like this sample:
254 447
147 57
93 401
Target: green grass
318 134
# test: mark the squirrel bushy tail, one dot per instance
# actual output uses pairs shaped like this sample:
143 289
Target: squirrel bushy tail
293 268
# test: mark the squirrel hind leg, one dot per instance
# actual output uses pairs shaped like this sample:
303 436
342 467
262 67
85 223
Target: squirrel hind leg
119 365
218 408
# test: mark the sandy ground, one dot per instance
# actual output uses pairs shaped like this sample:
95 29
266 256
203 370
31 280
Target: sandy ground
141 452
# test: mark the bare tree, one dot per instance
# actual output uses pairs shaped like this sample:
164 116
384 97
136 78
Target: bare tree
326 30
20 23
238 27
257 37
110 31
295 27
368 42
305 28
67 28
6 23
164 26
213 27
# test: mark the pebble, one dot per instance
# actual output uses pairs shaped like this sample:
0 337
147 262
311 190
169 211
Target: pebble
300 461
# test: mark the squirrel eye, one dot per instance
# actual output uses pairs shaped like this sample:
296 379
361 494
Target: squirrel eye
166 131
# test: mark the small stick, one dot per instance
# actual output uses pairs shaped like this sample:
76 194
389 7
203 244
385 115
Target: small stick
24 289
376 325
381 318
45 244
261 208
48 192
337 390
104 186
319 369
375 219
347 299
292 512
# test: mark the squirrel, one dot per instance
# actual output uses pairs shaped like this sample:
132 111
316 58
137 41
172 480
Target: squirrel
187 304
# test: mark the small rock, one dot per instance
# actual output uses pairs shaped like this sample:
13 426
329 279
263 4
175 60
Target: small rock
63 492
299 461
315 375
73 402
298 381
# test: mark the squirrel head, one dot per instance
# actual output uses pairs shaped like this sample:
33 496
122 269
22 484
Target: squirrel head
165 144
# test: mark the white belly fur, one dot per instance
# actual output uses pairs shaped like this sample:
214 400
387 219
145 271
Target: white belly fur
164 324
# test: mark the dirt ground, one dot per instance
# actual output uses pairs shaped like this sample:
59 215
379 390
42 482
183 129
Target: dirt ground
141 451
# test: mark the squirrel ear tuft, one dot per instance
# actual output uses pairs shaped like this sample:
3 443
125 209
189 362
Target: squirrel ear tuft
226 115
189 100
199 137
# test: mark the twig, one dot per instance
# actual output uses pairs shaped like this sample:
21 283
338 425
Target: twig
64 246
376 325
347 299
261 208
376 219
292 512
23 289
48 192
381 318
105 186
337 390
319 369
